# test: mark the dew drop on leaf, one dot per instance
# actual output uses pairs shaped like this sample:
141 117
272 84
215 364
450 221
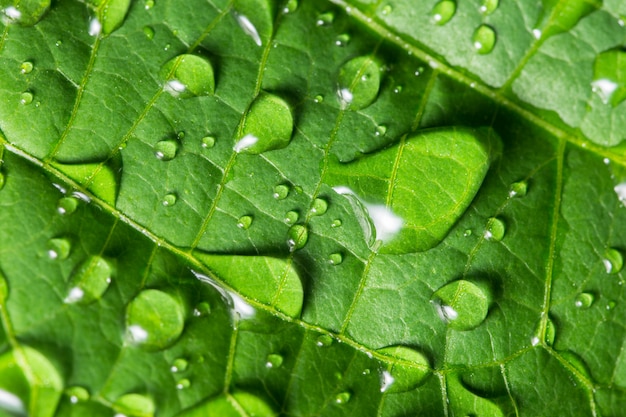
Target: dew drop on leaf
26 98
324 340
67 205
550 334
463 402
518 189
343 397
335 258
318 98
291 6
183 384
77 394
179 365
26 67
462 304
244 222
484 39
3 179
495 229
149 4
405 368
577 362
319 207
237 403
267 136
188 76
297 237
386 10
154 319
165 150
325 19
202 309
112 16
609 79
489 6
208 142
443 12
584 300
613 261
336 223
281 192
169 199
359 82
380 130
291 217
397 89
89 280
59 248
26 13
149 32
342 40
134 405
273 360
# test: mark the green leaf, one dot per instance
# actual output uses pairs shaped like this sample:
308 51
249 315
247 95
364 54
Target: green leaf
312 208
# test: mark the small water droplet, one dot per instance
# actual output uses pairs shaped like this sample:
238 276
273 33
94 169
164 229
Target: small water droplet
584 300
58 43
274 360
77 394
149 32
462 304
89 281
484 39
397 89
443 12
3 179
342 40
291 6
59 248
335 258
613 261
518 189
183 384
149 4
318 98
320 206
324 340
342 397
495 229
166 149
169 199
202 309
154 319
297 237
380 130
187 76
325 19
67 205
467 232
366 371
26 98
179 365
26 67
353 91
611 305
208 142
244 222
336 223
281 192
291 217
248 28
387 9
167 48
550 332
489 6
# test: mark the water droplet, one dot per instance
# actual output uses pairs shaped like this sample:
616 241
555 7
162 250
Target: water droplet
169 199
154 319
443 12
179 365
188 76
248 28
611 305
202 309
325 19
166 149
149 32
26 13
489 6
584 300
291 217
342 40
397 89
183 383
77 394
319 207
149 4
324 340
26 97
318 98
208 142
67 205
550 332
381 130
387 9
267 136
335 258
95 27
291 6
353 91
297 236
463 305
89 281
134 405
3 179
518 189
26 67
336 223
484 39
273 360
281 192
58 43
244 222
495 229
613 261
172 91
610 76
343 397
59 248
467 232
406 368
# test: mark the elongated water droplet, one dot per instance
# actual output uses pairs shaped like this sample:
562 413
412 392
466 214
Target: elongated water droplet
244 222
406 368
77 394
89 281
495 229
154 319
267 136
484 39
518 189
319 207
325 19
26 98
67 205
489 6
169 199
274 360
443 12
577 362
324 340
26 67
610 76
463 305
550 332
297 237
335 258
613 261
291 217
343 397
166 150
202 309
149 32
248 28
188 76
584 300
183 383
134 405
179 365
359 82
281 192
59 248
208 142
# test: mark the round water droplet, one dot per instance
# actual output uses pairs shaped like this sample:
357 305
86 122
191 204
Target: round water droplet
134 405
291 217
613 261
188 76
154 319
397 89
335 258
166 150
26 98
386 10
58 43
202 309
342 40
244 222
208 142
443 12
355 92
489 6
281 192
467 232
406 368
291 6
318 98
319 207
179 365
149 4
462 304
274 360
495 229
89 281
343 397
324 340
59 248
484 39
169 199
518 189
611 305
325 19
183 383
584 300
26 67
149 32
297 236
67 205
77 394
260 136
381 130
336 223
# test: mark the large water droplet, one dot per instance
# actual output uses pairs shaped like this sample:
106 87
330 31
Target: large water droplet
67 205
489 6
406 368
297 237
59 248
134 405
463 305
179 365
610 76
267 136
26 67
319 207
343 397
443 12
325 19
244 222
518 189
89 281
26 98
166 150
281 192
274 360
154 319
291 217
359 82
495 229
584 300
188 76
464 402
113 14
484 39
613 261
